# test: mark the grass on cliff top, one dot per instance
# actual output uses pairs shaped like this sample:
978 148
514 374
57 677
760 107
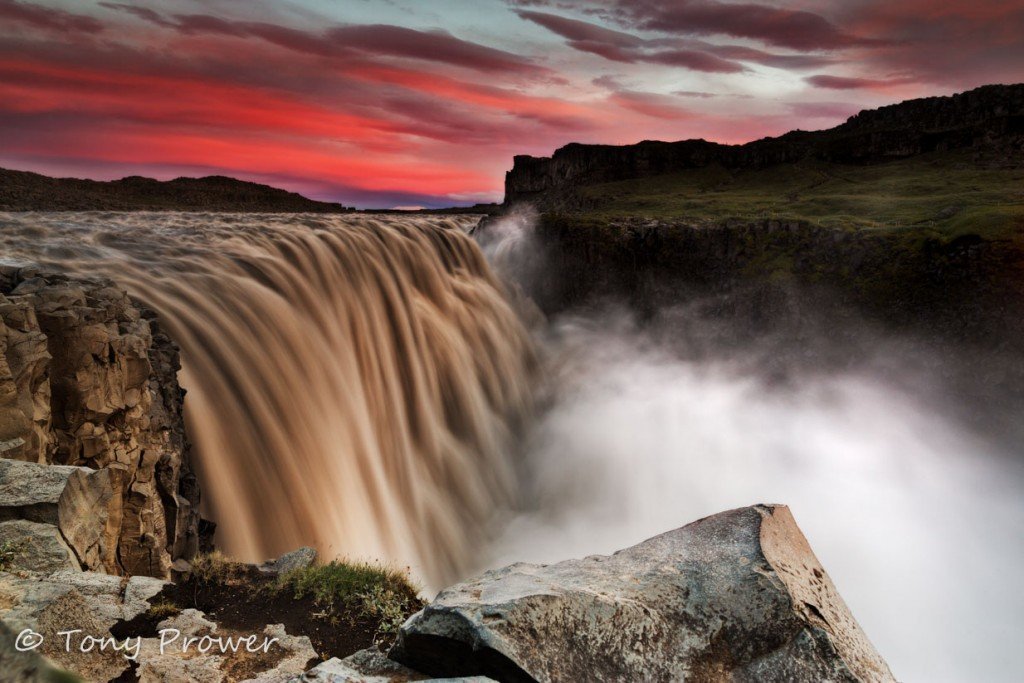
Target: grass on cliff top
939 192
343 606
382 593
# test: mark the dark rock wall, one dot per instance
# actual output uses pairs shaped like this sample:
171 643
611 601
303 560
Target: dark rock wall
88 378
789 297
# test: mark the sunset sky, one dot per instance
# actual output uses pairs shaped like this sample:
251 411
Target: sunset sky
383 103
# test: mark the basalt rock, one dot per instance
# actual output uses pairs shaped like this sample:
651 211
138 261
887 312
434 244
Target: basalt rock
737 596
88 379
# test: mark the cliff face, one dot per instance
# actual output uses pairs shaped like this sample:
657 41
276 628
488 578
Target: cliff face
988 120
88 379
967 289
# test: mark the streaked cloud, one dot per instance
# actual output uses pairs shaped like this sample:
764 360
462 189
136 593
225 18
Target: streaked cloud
425 103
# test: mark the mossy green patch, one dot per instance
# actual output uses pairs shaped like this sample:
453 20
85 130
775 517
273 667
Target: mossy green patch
380 592
940 192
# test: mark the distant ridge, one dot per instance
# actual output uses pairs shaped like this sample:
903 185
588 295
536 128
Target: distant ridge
988 120
24 191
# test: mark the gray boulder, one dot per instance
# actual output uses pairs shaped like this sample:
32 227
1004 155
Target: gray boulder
31 491
33 546
289 562
737 596
371 666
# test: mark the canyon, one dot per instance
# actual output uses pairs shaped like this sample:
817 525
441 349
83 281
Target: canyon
647 336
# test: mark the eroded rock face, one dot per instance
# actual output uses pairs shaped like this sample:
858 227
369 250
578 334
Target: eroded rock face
88 378
737 596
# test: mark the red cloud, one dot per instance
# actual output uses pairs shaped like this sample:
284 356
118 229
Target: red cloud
422 117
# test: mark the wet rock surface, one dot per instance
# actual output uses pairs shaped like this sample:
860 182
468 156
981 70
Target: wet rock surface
91 427
738 596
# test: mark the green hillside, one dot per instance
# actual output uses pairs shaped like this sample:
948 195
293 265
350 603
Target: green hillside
940 192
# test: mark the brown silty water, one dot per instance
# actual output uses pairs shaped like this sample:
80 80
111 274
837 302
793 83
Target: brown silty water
354 383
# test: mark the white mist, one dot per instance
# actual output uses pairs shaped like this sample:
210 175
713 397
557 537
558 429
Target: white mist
918 522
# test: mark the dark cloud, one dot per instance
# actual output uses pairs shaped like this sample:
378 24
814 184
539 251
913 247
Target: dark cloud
795 29
625 47
956 44
575 30
742 53
47 18
348 41
695 60
848 83
435 46
143 13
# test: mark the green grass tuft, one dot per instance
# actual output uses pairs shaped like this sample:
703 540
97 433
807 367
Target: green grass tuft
215 567
378 592
163 609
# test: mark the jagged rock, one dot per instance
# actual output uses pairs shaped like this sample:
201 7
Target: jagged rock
24 384
178 662
32 491
89 378
32 546
95 603
114 598
296 559
50 607
370 666
89 513
737 596
298 653
365 666
26 666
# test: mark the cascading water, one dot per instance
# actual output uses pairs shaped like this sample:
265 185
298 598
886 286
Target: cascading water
363 384
355 384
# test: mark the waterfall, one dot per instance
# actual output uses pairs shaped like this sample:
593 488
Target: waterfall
356 384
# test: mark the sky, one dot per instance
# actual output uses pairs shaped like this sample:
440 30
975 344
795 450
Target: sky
385 103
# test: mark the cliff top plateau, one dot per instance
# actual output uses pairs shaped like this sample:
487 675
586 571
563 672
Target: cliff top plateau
939 161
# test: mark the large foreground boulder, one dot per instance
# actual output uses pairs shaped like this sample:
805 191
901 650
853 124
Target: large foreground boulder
736 596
